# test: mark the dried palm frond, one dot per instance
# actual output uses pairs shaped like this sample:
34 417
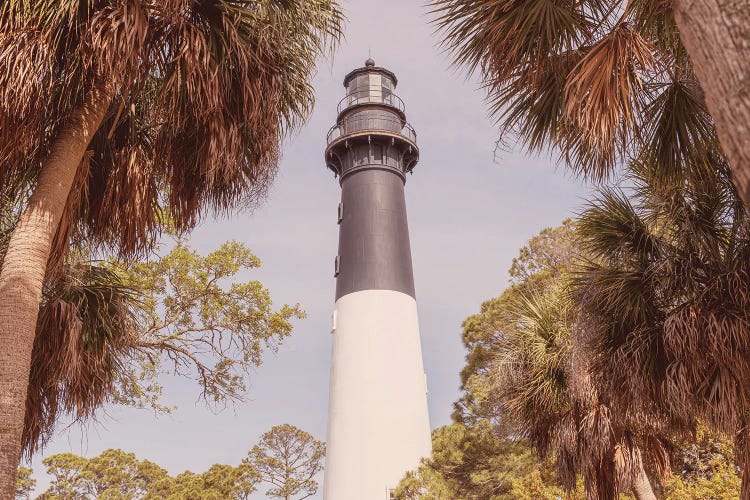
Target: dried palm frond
199 95
666 294
501 37
203 93
85 334
603 96
598 82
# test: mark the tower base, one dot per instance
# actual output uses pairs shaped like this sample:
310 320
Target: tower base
378 423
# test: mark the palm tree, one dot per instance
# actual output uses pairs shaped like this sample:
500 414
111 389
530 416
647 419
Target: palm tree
666 297
85 335
602 82
86 331
110 109
544 384
106 328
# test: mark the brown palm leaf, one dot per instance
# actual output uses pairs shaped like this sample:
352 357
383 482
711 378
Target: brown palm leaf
597 82
85 335
666 292
201 94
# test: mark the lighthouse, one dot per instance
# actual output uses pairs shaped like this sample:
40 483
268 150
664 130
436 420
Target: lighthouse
378 423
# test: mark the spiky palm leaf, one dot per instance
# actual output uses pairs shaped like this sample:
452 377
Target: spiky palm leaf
546 389
201 93
192 98
534 357
601 82
667 292
85 335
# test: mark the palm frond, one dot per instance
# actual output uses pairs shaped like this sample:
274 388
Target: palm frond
611 229
85 334
603 95
204 91
668 327
677 132
499 37
532 105
598 83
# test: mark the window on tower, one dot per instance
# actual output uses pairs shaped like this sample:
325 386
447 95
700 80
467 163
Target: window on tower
377 153
359 90
375 93
387 91
361 155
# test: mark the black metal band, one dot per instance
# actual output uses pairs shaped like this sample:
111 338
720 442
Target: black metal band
374 250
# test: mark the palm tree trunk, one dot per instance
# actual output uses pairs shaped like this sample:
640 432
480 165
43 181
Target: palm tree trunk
642 486
23 272
716 34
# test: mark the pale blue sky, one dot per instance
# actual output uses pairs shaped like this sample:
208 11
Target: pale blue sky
468 216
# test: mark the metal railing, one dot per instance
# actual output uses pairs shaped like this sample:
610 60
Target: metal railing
355 124
376 94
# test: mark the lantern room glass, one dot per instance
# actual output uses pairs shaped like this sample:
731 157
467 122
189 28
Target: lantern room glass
370 87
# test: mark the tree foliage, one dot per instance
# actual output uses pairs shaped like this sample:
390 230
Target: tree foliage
526 327
201 319
485 454
117 114
473 463
608 85
85 336
117 475
602 82
542 383
200 92
544 256
538 264
288 459
285 457
704 469
109 330
25 483
114 474
666 292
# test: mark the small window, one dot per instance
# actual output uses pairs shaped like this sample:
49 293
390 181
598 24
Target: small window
377 153
362 89
336 267
334 317
341 212
375 88
361 155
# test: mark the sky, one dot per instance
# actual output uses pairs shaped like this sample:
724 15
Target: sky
469 214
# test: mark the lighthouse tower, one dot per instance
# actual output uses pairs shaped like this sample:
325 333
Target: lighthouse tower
378 425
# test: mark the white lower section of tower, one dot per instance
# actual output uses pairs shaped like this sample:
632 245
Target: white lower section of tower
378 424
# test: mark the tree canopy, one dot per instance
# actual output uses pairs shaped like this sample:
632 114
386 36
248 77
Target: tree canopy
501 404
600 82
285 457
118 116
199 96
110 330
288 459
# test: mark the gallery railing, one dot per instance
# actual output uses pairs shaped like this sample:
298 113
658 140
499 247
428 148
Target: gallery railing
353 124
368 95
